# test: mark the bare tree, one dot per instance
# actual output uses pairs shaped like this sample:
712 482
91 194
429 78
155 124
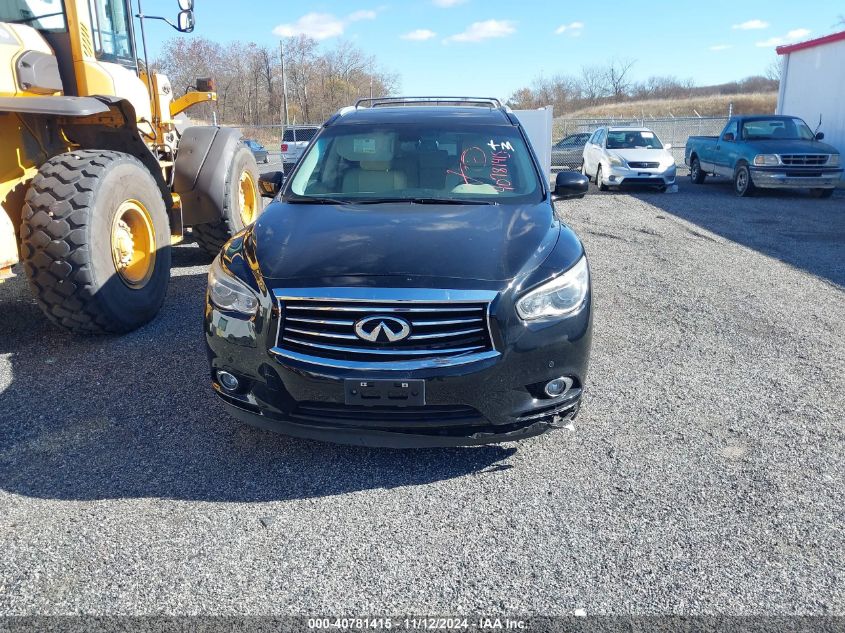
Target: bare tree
592 84
249 81
774 69
617 77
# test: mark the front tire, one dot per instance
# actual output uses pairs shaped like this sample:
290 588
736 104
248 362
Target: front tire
743 187
600 179
696 174
241 203
96 242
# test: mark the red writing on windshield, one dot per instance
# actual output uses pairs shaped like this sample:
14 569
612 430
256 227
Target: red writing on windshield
500 171
472 158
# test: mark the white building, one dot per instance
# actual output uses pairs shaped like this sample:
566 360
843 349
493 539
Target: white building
812 84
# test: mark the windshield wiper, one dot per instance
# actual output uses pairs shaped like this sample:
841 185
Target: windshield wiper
448 201
321 200
315 200
34 18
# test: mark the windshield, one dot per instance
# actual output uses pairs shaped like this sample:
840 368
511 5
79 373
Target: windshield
632 139
44 15
112 31
776 128
574 141
292 135
414 162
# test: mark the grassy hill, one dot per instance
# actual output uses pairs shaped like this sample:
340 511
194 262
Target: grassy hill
711 105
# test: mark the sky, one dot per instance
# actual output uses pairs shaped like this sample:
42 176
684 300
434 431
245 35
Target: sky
494 47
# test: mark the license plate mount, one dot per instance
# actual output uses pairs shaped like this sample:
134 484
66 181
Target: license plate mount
390 393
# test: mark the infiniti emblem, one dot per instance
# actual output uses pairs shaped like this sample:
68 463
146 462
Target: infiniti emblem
371 328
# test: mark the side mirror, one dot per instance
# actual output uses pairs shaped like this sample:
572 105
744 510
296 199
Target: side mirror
185 21
667 146
570 184
729 136
186 5
271 183
205 84
819 136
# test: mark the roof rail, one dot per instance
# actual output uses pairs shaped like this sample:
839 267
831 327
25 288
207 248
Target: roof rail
375 102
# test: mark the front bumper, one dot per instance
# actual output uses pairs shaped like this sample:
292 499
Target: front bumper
780 178
619 175
492 398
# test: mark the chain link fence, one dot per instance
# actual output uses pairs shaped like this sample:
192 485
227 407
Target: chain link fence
569 135
270 136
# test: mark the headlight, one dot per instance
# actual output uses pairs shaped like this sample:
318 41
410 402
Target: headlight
767 160
229 293
615 160
558 297
833 161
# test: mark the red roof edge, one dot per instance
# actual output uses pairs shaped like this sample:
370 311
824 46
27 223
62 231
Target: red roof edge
800 46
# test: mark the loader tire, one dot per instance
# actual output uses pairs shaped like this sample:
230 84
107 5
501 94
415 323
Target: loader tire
96 242
241 203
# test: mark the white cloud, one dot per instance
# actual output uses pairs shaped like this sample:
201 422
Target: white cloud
419 35
751 25
478 31
448 4
797 34
322 26
792 36
721 47
364 14
573 28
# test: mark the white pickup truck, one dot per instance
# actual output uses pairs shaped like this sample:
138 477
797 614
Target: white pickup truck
295 140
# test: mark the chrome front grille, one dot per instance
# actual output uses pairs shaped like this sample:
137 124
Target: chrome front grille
643 165
442 324
797 160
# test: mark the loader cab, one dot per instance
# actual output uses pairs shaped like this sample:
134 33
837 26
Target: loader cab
80 32
94 46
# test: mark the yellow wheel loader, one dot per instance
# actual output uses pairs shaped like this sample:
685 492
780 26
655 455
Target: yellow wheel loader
96 181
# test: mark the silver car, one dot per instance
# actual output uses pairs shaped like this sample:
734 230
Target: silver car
295 140
628 156
568 151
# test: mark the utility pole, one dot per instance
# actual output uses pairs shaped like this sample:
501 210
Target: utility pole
284 81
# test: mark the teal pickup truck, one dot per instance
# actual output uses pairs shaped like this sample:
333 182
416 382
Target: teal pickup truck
766 152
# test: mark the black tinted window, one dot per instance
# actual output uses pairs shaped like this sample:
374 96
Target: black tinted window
631 139
292 135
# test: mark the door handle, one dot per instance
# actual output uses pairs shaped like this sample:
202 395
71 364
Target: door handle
718 147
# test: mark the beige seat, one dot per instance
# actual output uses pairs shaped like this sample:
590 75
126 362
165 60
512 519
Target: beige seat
374 177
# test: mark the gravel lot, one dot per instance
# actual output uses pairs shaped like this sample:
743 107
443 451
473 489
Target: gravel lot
701 476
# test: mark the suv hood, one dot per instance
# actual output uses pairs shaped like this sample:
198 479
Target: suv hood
483 242
644 155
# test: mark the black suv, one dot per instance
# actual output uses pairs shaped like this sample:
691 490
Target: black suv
409 286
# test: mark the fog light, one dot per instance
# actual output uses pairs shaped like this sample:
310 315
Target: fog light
557 387
228 381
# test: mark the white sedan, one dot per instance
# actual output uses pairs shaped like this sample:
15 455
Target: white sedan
629 156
